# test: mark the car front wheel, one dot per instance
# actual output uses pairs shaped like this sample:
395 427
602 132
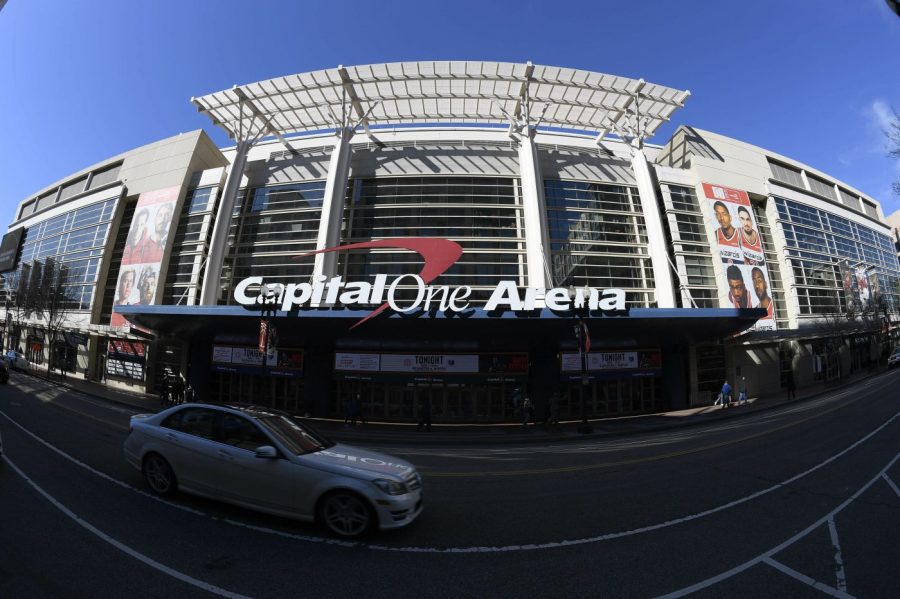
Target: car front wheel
346 514
159 475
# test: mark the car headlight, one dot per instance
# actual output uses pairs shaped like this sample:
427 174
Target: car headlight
391 487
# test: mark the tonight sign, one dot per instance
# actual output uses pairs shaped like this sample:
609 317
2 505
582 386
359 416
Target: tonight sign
438 255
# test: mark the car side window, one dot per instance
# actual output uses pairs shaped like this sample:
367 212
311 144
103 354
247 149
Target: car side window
240 432
192 421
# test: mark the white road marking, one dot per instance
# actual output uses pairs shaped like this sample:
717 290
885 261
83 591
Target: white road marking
838 559
806 579
768 554
122 546
891 483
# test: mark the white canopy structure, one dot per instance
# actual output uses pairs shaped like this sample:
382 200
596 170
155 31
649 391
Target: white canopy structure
443 92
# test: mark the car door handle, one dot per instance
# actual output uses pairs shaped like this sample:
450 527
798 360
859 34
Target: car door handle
171 437
224 454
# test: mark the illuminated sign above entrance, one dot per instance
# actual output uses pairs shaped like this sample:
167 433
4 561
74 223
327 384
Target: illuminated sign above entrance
439 255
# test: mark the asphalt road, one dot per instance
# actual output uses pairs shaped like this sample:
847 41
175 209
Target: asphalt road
801 500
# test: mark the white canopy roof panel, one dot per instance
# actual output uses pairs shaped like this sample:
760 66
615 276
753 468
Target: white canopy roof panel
442 92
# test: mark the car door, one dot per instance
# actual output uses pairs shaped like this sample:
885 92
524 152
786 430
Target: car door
242 477
187 437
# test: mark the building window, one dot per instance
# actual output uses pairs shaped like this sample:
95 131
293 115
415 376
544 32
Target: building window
482 214
786 174
598 238
821 187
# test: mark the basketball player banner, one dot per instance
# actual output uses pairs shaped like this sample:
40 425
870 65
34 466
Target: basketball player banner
739 247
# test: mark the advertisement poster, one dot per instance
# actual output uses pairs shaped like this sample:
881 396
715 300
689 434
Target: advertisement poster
640 360
144 248
429 363
851 298
739 247
862 283
357 362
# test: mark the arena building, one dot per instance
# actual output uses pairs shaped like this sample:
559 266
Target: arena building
453 237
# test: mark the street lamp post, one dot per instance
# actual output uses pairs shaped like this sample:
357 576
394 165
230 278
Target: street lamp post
581 310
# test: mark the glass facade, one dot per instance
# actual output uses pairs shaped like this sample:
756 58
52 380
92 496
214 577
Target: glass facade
691 246
76 240
270 226
482 214
598 238
190 246
818 240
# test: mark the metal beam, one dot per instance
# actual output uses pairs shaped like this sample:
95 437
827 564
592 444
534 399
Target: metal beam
269 127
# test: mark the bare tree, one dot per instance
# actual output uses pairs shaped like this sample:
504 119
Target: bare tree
14 290
52 304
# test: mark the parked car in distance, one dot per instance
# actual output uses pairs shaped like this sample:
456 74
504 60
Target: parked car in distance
269 461
894 359
17 361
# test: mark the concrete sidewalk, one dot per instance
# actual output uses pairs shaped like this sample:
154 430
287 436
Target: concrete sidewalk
466 434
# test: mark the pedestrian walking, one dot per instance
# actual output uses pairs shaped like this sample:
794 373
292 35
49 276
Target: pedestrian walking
742 391
350 411
726 395
425 413
362 408
178 389
553 411
791 386
527 411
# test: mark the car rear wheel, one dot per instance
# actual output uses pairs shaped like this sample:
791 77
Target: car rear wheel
159 475
346 514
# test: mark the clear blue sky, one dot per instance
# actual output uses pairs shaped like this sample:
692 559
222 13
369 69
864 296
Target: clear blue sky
83 81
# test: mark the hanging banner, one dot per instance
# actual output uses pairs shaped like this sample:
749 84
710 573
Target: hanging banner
145 245
739 247
862 283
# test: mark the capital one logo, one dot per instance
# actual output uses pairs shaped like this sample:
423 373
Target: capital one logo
438 256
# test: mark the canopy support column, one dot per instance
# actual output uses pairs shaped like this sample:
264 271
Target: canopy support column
534 211
212 281
656 237
333 205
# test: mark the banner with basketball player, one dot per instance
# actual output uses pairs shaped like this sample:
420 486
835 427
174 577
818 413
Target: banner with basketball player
142 255
739 247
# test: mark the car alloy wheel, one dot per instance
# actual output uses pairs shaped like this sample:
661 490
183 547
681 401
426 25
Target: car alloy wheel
346 514
159 475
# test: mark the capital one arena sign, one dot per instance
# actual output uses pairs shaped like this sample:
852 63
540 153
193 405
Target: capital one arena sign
438 256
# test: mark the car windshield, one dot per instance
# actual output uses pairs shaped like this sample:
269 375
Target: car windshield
297 438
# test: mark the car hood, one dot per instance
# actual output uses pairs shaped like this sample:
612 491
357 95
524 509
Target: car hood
362 462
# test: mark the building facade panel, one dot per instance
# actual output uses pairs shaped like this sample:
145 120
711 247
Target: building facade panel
469 185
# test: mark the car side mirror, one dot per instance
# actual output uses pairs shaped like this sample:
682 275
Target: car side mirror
266 452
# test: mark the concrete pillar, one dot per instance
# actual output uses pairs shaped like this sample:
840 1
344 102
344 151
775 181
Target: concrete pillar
209 294
333 205
656 236
537 240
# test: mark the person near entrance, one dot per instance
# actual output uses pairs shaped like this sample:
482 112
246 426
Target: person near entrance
742 391
726 395
425 413
350 411
552 411
360 406
527 411
791 386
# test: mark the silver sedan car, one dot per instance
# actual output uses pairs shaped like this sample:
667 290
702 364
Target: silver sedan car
268 461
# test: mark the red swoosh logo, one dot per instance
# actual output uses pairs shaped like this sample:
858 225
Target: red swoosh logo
439 255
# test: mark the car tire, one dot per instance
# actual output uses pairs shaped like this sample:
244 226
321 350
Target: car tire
159 475
346 514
